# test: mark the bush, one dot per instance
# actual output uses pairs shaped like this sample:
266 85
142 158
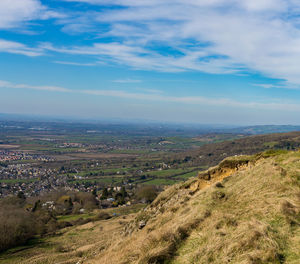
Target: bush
62 249
64 224
81 221
103 216
147 193
86 200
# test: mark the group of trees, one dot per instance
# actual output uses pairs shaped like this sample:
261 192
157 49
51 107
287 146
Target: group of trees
144 194
17 224
23 218
119 196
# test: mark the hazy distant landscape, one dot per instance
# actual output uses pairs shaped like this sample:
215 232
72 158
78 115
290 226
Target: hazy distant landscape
85 156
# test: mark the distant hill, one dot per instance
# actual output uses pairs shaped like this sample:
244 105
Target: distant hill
212 154
135 127
264 129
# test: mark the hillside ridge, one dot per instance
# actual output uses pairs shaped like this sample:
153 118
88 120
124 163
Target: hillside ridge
245 210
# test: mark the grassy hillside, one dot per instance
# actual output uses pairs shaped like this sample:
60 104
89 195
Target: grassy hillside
245 210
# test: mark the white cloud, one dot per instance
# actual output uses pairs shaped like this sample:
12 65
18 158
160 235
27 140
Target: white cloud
75 63
5 84
13 13
266 85
18 48
215 36
142 58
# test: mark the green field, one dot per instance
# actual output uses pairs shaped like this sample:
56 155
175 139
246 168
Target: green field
12 181
160 182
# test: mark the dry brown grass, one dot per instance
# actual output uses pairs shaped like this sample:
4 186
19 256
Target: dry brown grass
252 217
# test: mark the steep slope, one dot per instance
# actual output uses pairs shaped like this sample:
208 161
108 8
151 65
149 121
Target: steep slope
245 210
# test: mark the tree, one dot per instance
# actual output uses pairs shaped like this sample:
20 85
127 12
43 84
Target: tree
123 192
37 205
104 194
16 226
119 198
21 195
87 200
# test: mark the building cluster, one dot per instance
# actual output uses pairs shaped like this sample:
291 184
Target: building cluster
35 180
32 181
71 145
6 155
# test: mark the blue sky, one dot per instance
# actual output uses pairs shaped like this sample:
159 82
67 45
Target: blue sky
200 61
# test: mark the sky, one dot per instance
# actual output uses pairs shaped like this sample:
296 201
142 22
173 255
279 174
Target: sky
194 61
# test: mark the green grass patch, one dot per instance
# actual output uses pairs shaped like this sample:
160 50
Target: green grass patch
99 180
160 182
13 181
68 218
166 173
187 175
274 152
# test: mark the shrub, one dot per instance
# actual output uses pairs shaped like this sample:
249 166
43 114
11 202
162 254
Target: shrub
81 221
64 224
62 249
147 193
79 254
218 195
103 216
219 185
86 200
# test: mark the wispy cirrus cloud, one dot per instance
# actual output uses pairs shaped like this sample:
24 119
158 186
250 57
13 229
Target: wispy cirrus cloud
19 48
75 63
266 85
5 84
198 100
142 58
279 85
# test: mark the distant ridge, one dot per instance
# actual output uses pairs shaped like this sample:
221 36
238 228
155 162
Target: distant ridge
264 129
192 128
